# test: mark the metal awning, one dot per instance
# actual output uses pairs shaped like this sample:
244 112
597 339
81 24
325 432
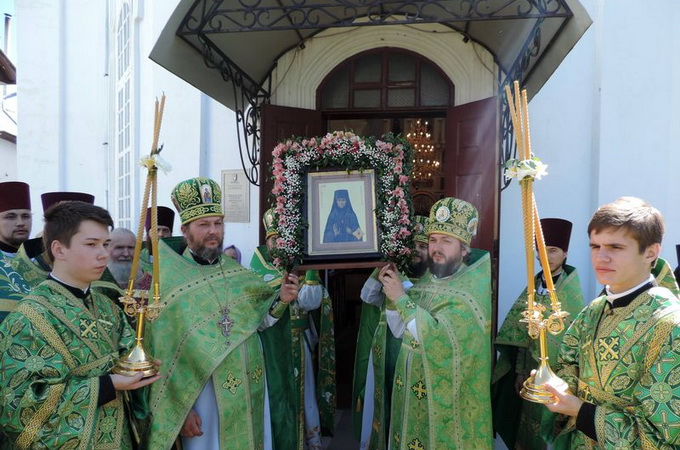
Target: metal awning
228 48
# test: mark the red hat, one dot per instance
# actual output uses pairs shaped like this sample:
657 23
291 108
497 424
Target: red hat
556 233
166 217
52 198
14 195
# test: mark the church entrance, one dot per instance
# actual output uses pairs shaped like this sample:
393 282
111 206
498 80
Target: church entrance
392 90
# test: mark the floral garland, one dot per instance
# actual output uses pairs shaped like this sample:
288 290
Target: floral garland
391 159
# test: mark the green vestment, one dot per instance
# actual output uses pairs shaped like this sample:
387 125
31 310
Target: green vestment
519 354
626 361
286 369
374 333
441 398
13 287
201 302
663 274
53 351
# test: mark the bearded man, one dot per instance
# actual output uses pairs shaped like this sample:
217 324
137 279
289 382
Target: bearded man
441 395
213 393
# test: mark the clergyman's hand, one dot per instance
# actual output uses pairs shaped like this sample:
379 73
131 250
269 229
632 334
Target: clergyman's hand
392 286
192 425
290 287
565 403
125 383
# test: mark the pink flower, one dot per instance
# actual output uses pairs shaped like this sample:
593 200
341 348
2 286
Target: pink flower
403 179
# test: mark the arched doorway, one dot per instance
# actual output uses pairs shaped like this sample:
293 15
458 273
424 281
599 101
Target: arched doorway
392 90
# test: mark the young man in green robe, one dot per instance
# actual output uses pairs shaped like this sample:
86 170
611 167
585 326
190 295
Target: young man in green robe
298 413
30 261
519 354
58 347
621 356
213 393
441 397
374 373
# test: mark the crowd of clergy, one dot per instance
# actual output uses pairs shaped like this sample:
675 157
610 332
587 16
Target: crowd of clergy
244 357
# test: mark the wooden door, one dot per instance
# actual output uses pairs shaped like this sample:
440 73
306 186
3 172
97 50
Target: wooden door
471 164
472 174
279 123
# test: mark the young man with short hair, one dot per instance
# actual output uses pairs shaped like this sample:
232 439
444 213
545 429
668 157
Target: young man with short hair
621 356
59 345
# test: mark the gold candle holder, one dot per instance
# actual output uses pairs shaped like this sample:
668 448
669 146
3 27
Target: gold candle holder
136 302
138 359
534 387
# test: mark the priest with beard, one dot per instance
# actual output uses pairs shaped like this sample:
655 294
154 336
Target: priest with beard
441 383
213 394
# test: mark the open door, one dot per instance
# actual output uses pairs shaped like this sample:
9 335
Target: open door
471 164
278 123
471 168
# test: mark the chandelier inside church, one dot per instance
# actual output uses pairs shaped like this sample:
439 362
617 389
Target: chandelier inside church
425 161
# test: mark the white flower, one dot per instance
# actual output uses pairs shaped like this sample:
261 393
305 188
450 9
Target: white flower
527 168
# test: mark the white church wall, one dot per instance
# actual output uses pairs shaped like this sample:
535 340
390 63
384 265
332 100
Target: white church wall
66 54
62 91
607 123
640 126
8 161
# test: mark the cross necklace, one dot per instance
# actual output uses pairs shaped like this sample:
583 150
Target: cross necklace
225 322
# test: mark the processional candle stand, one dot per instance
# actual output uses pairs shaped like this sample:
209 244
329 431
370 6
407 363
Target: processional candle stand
526 169
137 303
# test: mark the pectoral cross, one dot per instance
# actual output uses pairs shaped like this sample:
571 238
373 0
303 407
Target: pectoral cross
225 322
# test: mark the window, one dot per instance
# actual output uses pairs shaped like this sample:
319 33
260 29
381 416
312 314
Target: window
386 79
123 147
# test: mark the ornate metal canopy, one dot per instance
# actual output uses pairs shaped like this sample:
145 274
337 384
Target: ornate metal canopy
228 48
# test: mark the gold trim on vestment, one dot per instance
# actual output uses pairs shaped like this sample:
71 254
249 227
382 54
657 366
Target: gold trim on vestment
36 422
88 429
8 305
50 334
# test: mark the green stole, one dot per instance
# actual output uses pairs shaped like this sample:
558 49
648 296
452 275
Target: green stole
374 334
519 354
35 272
54 349
441 396
663 274
13 287
286 370
627 363
190 342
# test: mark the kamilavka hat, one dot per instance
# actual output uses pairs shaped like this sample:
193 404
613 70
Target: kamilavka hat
556 232
50 199
14 195
166 217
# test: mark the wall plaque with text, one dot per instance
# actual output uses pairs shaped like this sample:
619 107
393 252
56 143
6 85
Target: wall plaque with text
235 196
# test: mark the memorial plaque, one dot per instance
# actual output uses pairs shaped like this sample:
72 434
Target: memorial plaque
235 196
